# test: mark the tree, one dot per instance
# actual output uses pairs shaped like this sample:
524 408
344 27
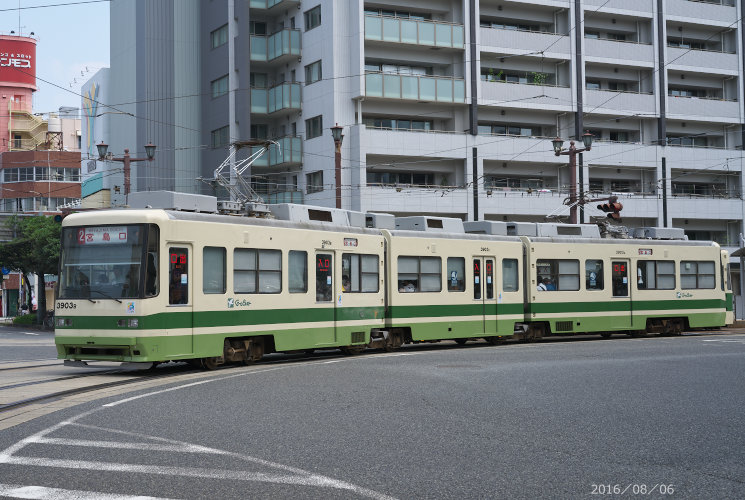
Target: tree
34 250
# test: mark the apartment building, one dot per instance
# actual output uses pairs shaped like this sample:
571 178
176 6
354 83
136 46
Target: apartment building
448 107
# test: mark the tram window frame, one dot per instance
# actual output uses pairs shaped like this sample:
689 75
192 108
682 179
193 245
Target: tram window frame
297 271
643 274
413 281
151 281
599 276
697 275
510 276
214 270
359 272
560 273
251 262
456 265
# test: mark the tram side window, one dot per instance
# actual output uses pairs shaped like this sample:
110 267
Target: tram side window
655 275
593 274
359 273
558 274
456 274
510 275
257 270
213 270
697 274
298 271
419 274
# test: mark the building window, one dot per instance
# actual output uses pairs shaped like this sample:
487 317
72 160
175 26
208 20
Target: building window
17 141
259 131
313 127
220 137
219 86
313 72
312 18
219 36
314 182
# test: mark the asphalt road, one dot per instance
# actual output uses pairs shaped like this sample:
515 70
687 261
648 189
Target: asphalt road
548 420
19 344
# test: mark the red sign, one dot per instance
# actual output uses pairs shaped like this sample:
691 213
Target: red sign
18 61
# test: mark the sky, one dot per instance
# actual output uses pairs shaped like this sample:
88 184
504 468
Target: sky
72 44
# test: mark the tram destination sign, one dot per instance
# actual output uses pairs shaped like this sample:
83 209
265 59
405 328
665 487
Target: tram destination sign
102 235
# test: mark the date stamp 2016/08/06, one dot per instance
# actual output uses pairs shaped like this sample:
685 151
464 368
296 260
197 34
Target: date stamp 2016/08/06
632 488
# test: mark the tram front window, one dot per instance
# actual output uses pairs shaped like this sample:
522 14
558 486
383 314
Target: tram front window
100 262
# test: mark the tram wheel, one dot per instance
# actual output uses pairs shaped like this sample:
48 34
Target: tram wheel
351 350
209 363
494 340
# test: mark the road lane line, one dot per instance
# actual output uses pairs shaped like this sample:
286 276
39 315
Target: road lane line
43 493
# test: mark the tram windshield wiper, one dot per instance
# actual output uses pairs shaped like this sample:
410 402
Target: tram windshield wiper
106 295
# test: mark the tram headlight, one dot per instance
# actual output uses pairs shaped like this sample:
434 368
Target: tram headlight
63 322
134 322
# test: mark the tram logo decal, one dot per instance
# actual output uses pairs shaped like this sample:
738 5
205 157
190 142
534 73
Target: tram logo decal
232 303
685 295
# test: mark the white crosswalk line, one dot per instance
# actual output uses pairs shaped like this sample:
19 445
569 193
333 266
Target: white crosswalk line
43 493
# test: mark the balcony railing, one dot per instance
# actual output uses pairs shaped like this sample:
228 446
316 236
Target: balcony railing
415 87
289 152
419 32
285 96
268 4
283 197
268 48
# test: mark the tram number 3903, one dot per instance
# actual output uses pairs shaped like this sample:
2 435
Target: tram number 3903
66 305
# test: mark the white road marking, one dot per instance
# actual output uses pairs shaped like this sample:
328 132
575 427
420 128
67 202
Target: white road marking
30 333
43 493
288 475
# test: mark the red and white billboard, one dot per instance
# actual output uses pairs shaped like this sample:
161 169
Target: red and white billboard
18 61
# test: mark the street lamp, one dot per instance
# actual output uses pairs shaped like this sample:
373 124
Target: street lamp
126 160
338 137
572 153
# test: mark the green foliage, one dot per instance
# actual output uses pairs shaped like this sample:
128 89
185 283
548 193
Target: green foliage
34 249
539 78
26 319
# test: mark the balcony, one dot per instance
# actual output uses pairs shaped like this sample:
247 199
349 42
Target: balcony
524 41
702 60
619 52
640 6
701 108
525 96
283 197
619 102
442 89
701 10
416 32
289 153
273 4
278 47
283 98
411 199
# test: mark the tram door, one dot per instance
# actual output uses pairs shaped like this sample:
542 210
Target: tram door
325 297
180 298
483 292
621 287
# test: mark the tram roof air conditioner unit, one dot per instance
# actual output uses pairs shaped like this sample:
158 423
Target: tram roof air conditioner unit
486 227
171 200
430 224
659 233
